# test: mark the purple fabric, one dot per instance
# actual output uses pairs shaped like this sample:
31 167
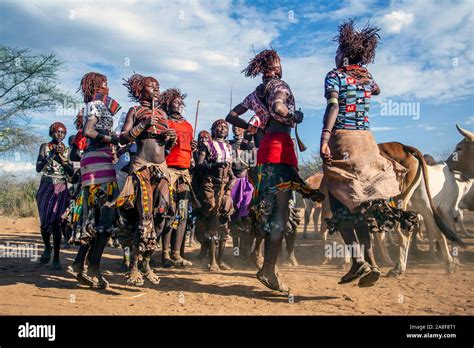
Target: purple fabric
212 150
52 200
241 196
221 145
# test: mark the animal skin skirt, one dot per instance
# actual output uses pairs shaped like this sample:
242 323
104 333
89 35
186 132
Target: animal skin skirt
362 182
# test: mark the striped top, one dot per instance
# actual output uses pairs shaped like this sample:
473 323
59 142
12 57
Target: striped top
218 151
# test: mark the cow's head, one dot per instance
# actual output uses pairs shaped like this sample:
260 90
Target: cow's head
462 159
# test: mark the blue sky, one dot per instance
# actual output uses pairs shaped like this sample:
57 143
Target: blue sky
424 64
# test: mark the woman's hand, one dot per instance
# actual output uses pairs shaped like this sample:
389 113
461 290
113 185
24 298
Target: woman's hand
325 153
148 121
170 134
252 129
194 145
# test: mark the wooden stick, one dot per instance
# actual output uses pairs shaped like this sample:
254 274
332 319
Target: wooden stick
196 119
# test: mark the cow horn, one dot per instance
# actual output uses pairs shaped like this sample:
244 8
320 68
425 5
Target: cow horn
468 135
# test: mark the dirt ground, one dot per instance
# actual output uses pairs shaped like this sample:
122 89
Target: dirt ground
30 288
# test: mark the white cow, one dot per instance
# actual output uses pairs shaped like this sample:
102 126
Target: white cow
467 203
438 201
447 189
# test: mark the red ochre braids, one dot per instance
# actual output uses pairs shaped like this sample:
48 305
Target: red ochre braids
167 97
55 126
204 132
357 45
79 118
259 64
90 84
135 85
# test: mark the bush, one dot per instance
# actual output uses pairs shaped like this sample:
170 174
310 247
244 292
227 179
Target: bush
311 166
18 198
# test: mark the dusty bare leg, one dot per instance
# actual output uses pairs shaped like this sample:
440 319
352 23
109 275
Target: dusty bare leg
46 235
166 260
290 249
308 209
268 275
256 254
57 235
359 267
220 257
151 276
135 277
177 237
213 267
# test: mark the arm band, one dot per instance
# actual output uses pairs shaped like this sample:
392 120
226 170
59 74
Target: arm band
137 130
278 100
333 101
100 137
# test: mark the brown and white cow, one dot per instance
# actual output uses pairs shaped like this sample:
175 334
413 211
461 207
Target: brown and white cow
314 181
417 196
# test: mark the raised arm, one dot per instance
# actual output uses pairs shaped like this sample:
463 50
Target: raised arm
234 119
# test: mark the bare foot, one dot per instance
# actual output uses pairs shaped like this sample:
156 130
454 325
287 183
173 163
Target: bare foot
273 282
135 278
214 267
225 267
152 277
98 280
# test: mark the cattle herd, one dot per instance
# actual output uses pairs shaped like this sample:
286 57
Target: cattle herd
438 191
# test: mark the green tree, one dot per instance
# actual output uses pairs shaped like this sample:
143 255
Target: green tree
311 166
28 84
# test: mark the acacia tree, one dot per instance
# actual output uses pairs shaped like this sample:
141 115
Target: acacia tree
28 84
311 166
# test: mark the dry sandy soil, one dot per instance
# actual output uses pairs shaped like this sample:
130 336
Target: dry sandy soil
29 288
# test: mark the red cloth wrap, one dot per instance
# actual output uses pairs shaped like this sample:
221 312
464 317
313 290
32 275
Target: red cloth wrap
180 154
80 140
277 148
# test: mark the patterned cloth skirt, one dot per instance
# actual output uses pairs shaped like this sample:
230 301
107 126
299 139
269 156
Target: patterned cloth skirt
52 200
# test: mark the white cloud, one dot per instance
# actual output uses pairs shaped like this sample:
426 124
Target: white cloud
396 20
382 129
198 46
16 167
469 121
201 47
